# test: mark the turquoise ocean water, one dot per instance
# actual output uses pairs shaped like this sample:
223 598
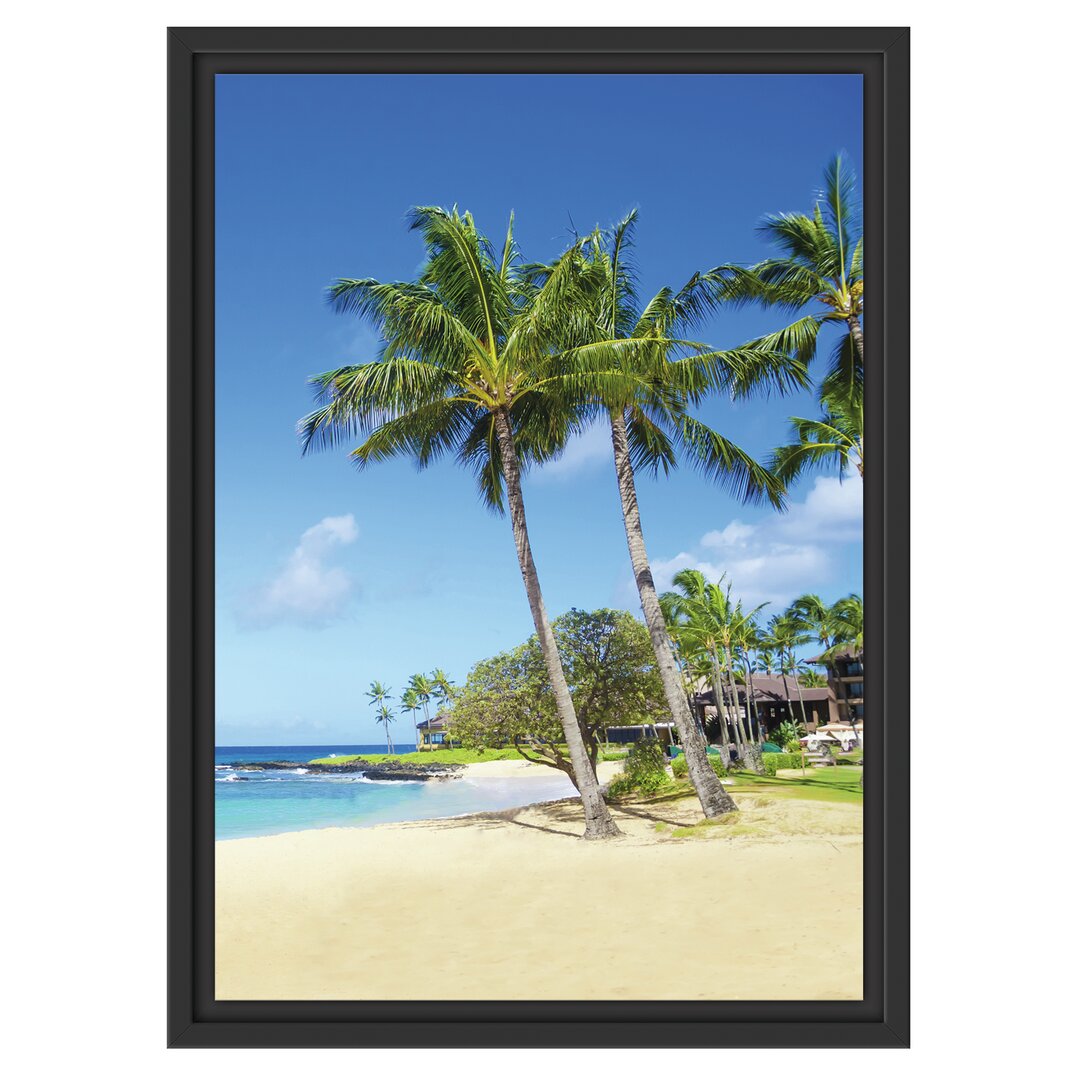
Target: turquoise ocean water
264 803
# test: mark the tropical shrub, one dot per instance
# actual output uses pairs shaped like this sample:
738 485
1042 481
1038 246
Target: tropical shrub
788 732
645 770
718 765
680 767
780 761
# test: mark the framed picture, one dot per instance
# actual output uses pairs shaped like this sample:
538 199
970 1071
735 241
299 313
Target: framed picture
539 537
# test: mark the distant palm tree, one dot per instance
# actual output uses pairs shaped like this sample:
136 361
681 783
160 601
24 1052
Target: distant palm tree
410 703
820 263
708 620
835 438
467 368
385 716
750 640
377 695
424 689
847 625
786 633
443 692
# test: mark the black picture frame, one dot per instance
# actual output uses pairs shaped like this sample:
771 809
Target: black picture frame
195 1019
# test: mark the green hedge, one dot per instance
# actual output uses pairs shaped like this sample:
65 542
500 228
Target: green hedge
780 761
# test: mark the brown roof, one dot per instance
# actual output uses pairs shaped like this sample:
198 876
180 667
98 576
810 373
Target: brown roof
436 723
847 654
771 689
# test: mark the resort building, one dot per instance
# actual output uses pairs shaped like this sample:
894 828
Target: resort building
775 698
431 734
628 733
845 674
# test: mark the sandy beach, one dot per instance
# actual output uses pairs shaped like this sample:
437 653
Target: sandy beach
767 905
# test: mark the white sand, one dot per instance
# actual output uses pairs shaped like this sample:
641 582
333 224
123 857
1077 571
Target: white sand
514 905
605 770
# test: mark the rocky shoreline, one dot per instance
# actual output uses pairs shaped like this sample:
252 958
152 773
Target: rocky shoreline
386 770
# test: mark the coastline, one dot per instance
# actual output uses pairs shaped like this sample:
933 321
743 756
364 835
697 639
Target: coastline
512 904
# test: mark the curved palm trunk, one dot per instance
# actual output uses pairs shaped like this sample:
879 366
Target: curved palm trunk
715 801
598 821
750 751
856 333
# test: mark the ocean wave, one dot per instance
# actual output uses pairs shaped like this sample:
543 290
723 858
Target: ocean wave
362 779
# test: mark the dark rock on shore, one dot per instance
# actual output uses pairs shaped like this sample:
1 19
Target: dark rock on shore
385 770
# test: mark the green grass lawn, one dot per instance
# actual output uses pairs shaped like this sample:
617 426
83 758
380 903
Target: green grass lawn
448 757
426 757
837 783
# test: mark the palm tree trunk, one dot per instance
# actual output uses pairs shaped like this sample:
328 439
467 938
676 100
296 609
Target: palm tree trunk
856 332
599 823
802 703
715 801
753 701
798 687
721 707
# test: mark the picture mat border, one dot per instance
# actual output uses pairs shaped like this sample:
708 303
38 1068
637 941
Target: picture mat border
195 1018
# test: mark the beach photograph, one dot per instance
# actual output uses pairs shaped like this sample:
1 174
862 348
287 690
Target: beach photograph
538 549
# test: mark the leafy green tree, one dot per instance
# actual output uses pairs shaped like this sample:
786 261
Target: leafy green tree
468 369
611 672
819 264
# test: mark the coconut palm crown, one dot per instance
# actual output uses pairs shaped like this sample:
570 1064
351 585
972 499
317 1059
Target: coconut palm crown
819 264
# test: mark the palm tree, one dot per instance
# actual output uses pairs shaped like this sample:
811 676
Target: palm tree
707 620
750 640
835 438
410 703
819 263
377 694
466 368
424 690
785 633
385 717
443 692
650 426
847 624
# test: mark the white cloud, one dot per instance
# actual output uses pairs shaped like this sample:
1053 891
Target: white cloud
306 592
773 560
584 453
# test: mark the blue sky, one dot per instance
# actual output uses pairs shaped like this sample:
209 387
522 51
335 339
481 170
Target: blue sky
328 579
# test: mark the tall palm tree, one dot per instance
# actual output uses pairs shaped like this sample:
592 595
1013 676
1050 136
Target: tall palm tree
410 703
835 438
466 368
651 428
820 264
377 694
443 692
385 716
423 688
